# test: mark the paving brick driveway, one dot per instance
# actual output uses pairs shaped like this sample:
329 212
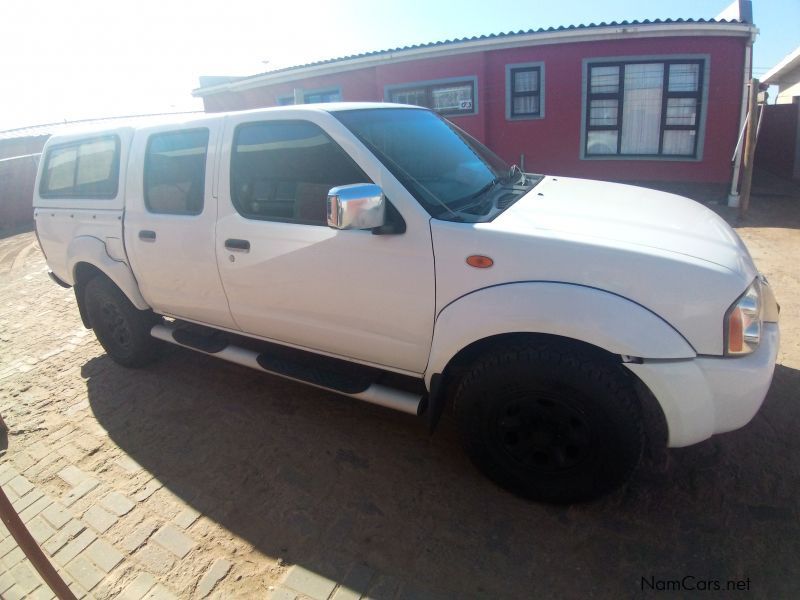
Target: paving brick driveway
196 477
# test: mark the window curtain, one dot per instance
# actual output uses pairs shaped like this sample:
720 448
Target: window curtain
641 113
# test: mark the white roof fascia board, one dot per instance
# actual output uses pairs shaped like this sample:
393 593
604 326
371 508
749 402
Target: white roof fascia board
790 62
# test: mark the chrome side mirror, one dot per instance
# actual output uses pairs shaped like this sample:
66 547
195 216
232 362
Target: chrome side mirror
356 206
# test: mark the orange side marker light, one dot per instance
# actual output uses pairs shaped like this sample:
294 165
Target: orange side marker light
736 332
479 262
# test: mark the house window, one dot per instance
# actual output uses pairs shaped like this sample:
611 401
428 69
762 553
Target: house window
332 95
451 97
645 108
524 91
313 97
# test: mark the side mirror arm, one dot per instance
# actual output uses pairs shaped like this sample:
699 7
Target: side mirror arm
395 223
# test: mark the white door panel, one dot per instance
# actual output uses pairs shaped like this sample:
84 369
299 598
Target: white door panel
349 293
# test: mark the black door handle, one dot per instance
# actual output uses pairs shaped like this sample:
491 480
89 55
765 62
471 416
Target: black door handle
147 235
238 245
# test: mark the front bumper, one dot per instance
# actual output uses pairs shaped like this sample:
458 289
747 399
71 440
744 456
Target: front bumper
708 395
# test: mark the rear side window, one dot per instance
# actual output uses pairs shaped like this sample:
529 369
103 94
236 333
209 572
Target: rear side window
175 172
84 169
282 171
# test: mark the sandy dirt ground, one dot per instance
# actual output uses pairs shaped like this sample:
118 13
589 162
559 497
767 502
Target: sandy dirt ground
282 474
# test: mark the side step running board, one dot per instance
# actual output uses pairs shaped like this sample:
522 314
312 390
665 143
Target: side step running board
355 386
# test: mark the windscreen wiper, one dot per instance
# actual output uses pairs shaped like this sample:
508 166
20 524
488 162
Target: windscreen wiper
480 192
516 172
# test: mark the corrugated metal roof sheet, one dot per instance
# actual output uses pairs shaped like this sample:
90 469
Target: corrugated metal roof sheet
475 38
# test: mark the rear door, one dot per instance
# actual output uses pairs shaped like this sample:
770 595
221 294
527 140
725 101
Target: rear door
170 220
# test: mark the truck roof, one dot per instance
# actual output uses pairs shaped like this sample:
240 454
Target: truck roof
100 128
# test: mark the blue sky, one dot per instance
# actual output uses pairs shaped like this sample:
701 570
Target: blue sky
72 60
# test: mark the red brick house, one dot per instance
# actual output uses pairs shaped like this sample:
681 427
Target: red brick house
650 101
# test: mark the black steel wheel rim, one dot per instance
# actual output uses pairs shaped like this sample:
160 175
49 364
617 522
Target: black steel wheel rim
540 430
116 325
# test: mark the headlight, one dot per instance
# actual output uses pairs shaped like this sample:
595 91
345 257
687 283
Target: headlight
743 322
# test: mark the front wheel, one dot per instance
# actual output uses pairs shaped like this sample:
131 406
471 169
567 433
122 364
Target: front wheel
122 329
550 423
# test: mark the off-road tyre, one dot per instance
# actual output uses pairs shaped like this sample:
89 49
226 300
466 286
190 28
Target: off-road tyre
550 422
122 329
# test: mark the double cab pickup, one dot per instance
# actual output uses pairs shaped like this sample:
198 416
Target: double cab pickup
380 252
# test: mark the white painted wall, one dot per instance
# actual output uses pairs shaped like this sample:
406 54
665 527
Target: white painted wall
788 87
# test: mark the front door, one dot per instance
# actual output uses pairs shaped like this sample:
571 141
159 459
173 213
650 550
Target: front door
291 278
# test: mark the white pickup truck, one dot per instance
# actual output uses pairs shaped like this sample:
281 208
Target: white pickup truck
380 252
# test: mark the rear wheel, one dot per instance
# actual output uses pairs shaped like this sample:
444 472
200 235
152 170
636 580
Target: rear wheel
550 423
122 329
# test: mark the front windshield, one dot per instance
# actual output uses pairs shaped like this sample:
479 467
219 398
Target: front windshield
444 167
